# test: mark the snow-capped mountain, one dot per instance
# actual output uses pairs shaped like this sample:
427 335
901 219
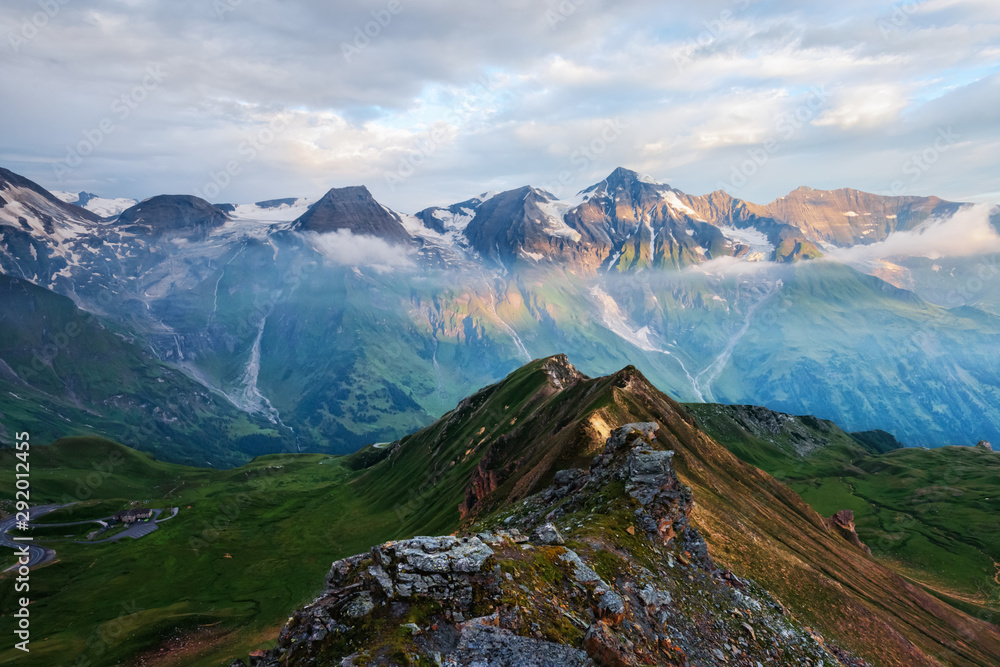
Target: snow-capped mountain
273 210
343 321
101 206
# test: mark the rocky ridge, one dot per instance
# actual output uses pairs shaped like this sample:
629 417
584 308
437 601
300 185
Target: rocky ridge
601 568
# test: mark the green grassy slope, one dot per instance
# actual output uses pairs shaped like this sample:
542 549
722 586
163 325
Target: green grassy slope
65 372
248 545
253 543
932 513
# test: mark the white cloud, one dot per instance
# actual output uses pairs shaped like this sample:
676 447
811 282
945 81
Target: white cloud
865 107
348 249
736 267
689 123
967 233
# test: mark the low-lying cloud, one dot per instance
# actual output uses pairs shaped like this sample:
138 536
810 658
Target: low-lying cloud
733 267
348 249
967 233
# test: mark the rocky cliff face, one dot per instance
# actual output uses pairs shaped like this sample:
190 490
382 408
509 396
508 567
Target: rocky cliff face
32 200
542 583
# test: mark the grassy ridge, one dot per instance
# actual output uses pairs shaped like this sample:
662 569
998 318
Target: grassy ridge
253 543
249 545
933 513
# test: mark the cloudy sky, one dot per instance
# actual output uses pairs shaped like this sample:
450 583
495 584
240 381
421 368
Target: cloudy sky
434 101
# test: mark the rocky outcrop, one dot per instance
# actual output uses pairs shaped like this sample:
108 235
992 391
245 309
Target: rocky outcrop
877 440
984 444
843 524
612 574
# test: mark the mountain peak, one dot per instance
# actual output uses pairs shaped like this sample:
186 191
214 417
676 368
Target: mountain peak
623 176
174 214
355 209
625 179
349 190
561 372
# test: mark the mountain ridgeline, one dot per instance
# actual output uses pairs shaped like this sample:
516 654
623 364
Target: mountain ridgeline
580 521
598 524
328 324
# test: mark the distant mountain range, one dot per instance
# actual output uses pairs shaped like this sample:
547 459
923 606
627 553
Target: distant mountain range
106 208
330 323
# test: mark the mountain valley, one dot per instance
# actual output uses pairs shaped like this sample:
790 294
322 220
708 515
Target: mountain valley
337 322
522 449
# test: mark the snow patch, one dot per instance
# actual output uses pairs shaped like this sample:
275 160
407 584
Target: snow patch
281 213
102 206
68 197
677 205
554 222
454 222
109 208
760 248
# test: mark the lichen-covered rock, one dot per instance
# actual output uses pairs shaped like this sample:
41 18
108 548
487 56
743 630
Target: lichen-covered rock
482 644
613 574
611 608
606 648
360 605
547 533
581 572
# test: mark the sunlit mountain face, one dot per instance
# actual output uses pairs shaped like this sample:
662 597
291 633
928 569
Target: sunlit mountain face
321 325
499 334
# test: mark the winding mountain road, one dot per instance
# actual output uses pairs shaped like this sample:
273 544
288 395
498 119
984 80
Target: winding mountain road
37 555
